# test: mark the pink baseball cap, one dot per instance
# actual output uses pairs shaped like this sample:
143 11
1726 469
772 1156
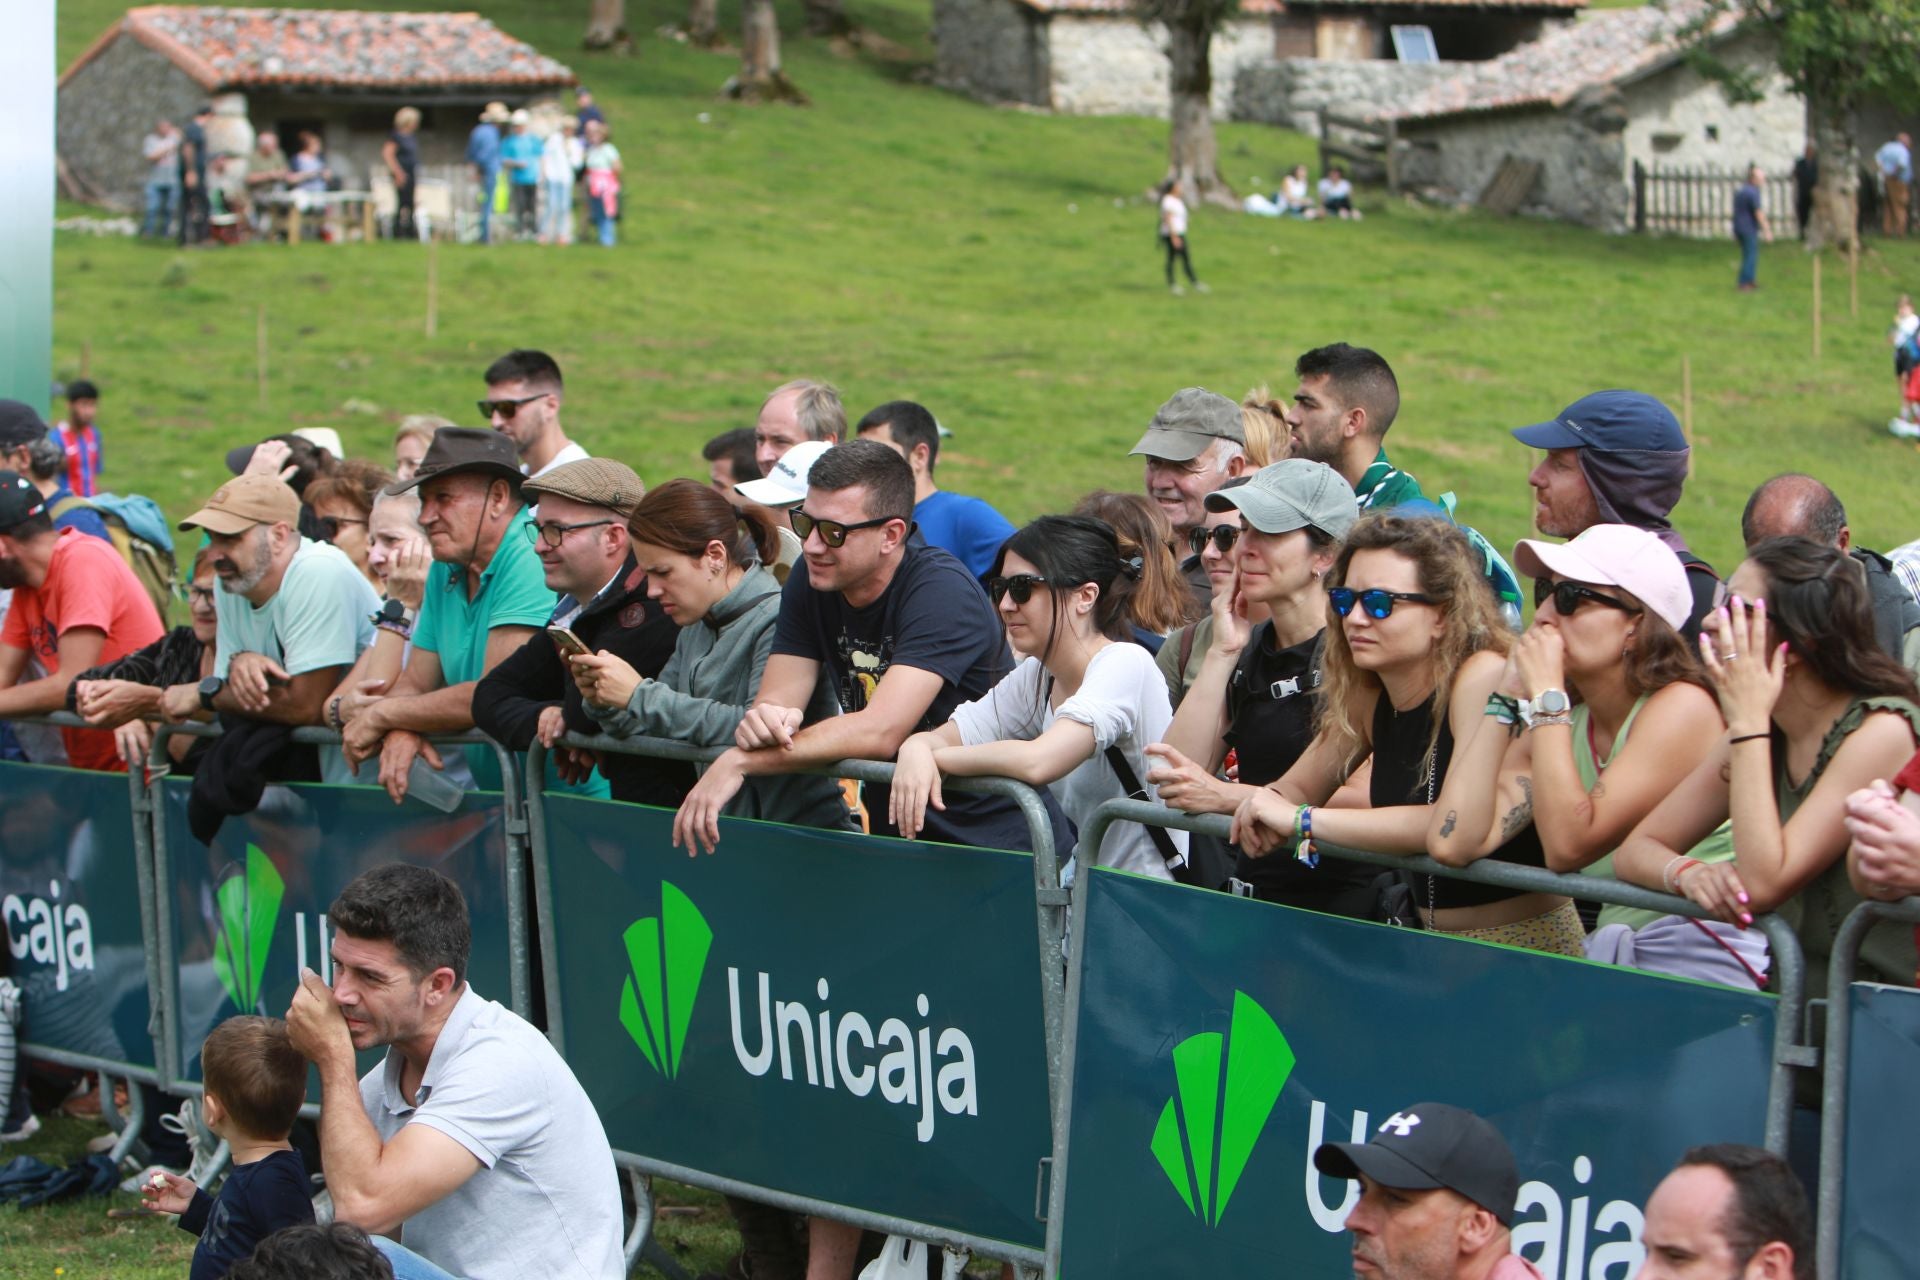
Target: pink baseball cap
1615 555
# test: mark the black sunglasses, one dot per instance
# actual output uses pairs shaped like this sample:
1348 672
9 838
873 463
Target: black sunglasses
1222 536
505 408
1568 597
832 532
1019 585
1377 602
330 526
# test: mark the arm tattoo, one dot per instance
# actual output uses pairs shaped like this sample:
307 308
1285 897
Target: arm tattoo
1521 814
1447 825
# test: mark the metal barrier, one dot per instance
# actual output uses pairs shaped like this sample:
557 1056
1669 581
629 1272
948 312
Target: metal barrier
1833 1088
1790 1054
1050 921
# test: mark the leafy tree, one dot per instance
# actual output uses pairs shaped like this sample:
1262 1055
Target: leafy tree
760 78
1192 155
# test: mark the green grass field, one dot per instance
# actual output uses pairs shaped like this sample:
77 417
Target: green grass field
999 266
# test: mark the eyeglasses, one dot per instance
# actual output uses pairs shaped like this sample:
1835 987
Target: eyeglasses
329 526
832 532
192 594
551 536
505 408
1222 536
1377 602
1568 597
1020 586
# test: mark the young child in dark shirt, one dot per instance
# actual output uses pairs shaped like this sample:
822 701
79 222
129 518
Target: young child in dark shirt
255 1081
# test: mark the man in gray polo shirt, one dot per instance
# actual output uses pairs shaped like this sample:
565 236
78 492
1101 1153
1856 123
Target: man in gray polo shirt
1195 444
471 1142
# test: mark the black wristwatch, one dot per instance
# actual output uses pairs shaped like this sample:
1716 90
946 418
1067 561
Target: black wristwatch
210 689
395 617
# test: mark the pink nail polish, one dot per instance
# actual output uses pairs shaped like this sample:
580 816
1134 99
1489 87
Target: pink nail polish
1743 897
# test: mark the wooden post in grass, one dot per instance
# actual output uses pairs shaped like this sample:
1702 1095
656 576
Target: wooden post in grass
1853 278
433 285
86 357
1816 306
1686 403
260 351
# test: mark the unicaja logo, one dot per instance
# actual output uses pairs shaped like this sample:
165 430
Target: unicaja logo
666 954
249 907
1226 1088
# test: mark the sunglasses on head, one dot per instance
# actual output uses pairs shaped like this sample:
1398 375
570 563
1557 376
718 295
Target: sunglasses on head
330 526
505 408
1377 602
1222 536
1568 597
1019 585
832 532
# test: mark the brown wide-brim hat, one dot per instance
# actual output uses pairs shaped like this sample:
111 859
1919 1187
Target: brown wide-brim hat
479 450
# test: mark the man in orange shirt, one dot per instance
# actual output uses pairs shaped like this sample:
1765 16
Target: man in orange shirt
76 605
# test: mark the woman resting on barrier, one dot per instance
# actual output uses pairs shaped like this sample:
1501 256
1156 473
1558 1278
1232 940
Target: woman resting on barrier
705 564
1602 705
123 695
1258 684
1419 647
1076 711
1815 710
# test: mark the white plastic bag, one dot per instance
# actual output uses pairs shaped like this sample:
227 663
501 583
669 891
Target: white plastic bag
901 1259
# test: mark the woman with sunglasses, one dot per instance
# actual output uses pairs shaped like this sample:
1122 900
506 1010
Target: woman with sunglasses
124 694
1419 646
1180 658
1815 710
1601 706
1259 681
342 502
1076 712
706 566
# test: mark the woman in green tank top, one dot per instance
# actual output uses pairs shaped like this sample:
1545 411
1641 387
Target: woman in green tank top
1815 710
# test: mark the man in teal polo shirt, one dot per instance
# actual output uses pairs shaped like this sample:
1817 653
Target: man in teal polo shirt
485 596
1346 400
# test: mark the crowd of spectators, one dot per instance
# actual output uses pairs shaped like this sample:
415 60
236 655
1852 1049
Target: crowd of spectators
1278 627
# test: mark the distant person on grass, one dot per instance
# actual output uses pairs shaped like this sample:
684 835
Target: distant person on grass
794 412
520 157
472 1136
1173 235
968 527
483 154
1750 226
1346 400
401 154
1336 195
604 169
256 1082
80 437
161 150
1196 442
1895 159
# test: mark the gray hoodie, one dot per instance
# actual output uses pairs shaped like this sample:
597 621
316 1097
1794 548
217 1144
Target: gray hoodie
705 690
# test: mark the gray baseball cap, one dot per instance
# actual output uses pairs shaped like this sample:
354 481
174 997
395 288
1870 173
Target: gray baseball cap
1189 423
1292 494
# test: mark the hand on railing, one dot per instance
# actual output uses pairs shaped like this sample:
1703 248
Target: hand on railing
252 677
1717 887
180 702
134 740
571 764
916 785
397 755
768 725
107 704
1264 821
698 821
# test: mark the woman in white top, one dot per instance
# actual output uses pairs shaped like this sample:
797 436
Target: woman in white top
561 160
1173 234
1295 200
1080 694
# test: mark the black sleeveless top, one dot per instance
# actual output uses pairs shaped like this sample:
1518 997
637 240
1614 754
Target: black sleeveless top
1399 752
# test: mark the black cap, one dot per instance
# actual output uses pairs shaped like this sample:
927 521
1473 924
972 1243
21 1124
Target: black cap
19 500
476 449
1430 1145
19 424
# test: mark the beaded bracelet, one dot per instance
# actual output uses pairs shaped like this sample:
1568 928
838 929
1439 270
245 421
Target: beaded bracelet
1303 831
1671 873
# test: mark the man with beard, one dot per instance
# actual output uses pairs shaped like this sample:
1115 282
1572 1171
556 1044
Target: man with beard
293 614
524 392
1346 400
75 605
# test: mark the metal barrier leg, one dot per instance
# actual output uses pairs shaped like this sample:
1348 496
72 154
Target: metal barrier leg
141 785
953 1263
1789 1054
642 1244
547 938
519 966
128 1126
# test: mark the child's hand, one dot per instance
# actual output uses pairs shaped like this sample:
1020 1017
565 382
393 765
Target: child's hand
167 1193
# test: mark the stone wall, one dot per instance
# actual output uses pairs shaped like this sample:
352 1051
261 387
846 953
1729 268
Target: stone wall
991 49
1580 149
1103 65
1290 92
109 106
1670 116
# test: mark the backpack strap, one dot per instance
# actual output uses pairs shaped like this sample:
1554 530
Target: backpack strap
1130 783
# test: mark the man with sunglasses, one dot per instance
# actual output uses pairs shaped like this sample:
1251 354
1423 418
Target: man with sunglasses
485 596
579 533
292 614
902 630
1196 442
524 392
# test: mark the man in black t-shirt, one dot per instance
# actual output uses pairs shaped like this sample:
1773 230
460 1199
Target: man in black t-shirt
903 633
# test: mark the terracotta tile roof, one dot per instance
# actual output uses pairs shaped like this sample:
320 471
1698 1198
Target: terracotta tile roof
225 48
1613 47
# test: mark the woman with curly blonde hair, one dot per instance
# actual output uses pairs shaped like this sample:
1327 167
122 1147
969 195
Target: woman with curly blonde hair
1415 644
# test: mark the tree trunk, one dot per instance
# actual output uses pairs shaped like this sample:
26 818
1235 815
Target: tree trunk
1192 156
703 23
827 18
1836 197
760 78
607 25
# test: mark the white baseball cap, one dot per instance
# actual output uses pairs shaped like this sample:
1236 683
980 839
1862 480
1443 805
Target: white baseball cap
786 484
1615 555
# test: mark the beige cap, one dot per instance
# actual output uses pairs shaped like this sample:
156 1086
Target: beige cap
243 502
597 482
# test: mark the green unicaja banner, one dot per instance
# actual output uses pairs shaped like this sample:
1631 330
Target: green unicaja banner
826 1014
250 911
70 903
1880 1234
1219 1040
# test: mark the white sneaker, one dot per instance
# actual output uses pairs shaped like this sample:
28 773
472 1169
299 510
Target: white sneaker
1200 286
1176 291
1904 429
28 1127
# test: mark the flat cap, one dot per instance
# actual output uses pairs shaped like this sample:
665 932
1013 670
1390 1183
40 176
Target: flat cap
598 482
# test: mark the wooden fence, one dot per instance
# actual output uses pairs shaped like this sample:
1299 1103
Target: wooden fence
1698 203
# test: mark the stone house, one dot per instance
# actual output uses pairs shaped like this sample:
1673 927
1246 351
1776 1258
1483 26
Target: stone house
339 73
1588 102
1093 57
